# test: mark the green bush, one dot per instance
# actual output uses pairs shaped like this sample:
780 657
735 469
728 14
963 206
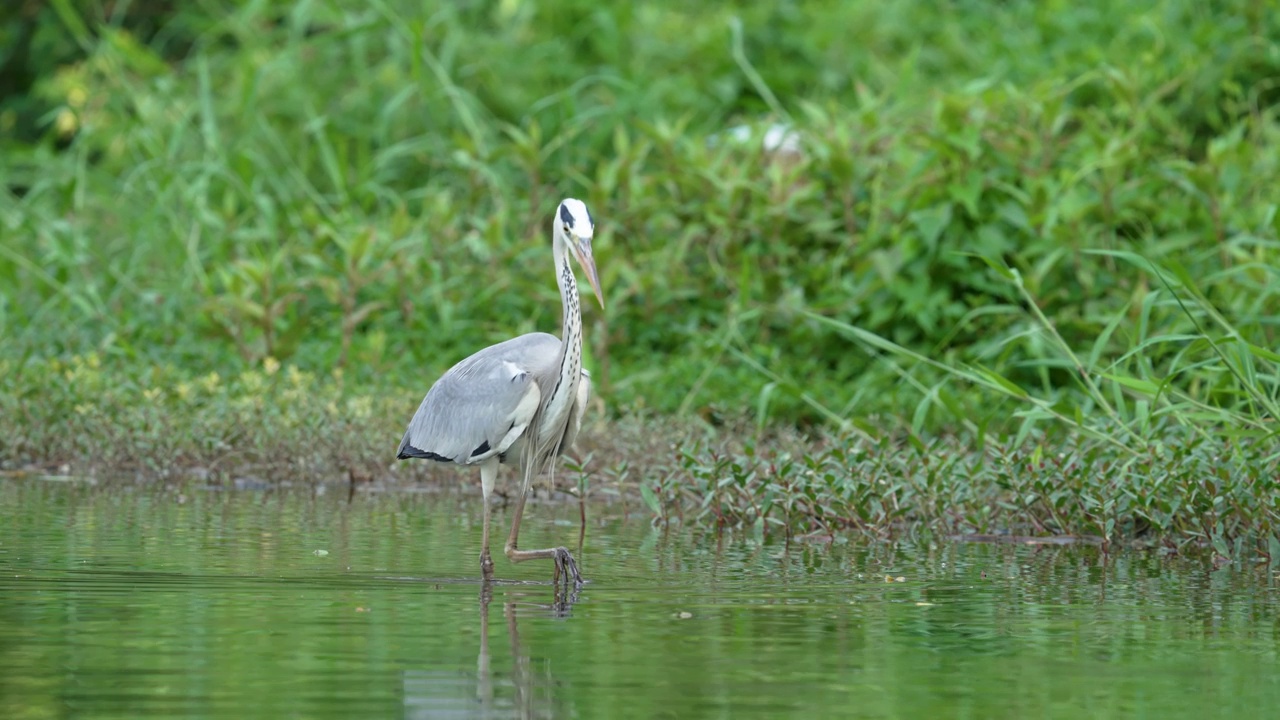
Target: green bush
369 187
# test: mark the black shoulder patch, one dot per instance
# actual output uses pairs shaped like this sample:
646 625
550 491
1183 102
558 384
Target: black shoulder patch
591 219
484 448
565 215
410 452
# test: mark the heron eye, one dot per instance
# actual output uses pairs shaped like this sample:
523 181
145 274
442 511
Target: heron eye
566 227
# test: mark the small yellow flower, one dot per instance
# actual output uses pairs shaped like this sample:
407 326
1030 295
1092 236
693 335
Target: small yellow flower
151 394
252 380
270 365
183 390
66 122
295 376
210 382
360 407
83 409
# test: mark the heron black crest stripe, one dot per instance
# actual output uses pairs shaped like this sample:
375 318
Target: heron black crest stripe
591 219
565 215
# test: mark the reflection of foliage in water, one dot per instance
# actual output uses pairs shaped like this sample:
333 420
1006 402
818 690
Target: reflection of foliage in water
120 600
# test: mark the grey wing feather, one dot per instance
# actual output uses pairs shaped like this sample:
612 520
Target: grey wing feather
484 403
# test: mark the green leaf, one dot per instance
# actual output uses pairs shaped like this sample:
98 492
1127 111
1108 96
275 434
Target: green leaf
996 264
931 222
651 499
1145 387
1220 545
1001 381
1262 352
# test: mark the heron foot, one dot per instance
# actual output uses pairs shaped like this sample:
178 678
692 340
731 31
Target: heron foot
486 565
566 567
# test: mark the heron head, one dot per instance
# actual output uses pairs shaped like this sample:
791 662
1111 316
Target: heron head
575 229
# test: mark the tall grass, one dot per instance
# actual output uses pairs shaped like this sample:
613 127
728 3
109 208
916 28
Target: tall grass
369 188
1196 369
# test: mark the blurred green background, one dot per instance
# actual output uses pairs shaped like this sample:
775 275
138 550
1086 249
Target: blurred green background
219 186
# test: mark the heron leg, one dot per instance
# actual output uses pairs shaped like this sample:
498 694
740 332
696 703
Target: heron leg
488 478
565 566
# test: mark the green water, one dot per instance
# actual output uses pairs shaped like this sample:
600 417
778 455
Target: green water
130 602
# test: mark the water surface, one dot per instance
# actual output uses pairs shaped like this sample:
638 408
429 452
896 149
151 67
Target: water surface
136 602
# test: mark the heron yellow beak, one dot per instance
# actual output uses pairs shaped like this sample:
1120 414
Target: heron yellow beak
588 262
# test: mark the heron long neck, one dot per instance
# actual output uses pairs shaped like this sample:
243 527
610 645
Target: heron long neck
565 390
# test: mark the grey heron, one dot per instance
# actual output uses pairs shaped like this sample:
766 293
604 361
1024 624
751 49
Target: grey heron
518 402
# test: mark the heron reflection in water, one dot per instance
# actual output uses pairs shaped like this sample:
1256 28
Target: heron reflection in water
528 690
